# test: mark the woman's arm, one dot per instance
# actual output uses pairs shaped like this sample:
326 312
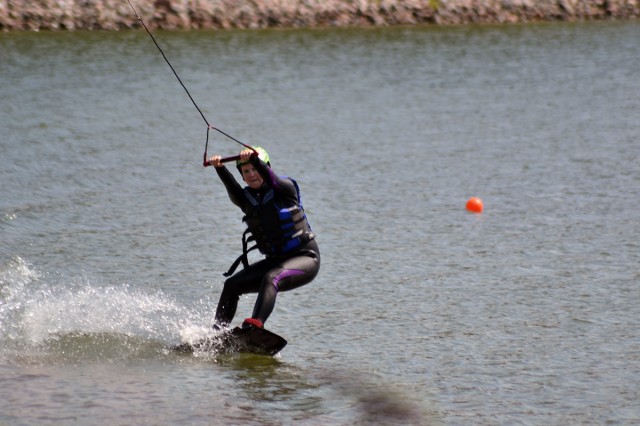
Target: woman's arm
234 190
281 184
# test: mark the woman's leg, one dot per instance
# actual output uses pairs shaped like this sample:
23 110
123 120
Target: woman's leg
246 281
287 275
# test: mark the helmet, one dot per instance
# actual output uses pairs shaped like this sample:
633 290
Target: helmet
262 154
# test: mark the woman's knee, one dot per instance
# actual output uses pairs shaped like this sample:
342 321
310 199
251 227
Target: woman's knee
230 288
271 279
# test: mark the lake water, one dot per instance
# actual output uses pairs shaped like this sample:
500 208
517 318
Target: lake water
114 237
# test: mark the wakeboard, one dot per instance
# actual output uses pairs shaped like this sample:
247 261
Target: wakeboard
248 340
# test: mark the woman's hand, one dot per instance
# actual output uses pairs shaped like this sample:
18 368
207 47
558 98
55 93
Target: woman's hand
215 161
245 154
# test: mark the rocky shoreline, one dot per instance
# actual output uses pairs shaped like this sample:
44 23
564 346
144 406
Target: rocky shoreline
34 15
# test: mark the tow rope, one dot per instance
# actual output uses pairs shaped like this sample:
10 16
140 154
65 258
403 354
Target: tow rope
205 162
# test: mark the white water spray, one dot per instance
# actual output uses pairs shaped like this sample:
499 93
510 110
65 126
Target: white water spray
37 310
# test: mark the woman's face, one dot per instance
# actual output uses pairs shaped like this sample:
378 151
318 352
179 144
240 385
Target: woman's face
251 176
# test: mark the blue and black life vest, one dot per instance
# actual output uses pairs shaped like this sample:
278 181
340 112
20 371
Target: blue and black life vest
276 229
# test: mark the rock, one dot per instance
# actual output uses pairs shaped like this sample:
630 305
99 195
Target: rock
222 14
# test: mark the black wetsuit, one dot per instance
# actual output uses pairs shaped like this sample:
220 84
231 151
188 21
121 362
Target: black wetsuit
288 264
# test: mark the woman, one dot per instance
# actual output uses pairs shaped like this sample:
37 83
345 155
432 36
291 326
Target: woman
277 223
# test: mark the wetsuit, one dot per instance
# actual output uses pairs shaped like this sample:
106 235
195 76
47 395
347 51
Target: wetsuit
292 258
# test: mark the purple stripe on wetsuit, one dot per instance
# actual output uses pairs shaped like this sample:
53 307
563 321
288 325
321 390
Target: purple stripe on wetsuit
284 274
273 178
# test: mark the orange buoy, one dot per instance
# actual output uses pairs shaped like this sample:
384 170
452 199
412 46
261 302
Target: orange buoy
474 204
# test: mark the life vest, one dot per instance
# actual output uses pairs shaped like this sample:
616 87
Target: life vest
276 229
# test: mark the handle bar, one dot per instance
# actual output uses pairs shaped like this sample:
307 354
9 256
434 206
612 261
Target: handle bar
207 163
